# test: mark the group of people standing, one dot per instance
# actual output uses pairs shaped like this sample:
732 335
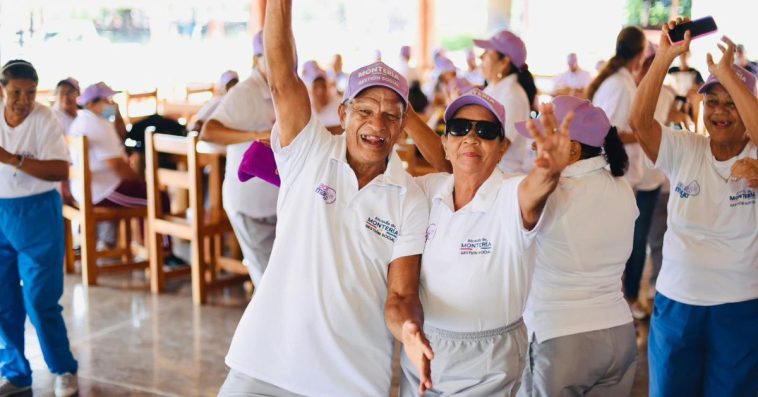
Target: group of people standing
504 274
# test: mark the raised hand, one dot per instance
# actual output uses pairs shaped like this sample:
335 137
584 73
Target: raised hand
727 58
420 353
553 143
669 49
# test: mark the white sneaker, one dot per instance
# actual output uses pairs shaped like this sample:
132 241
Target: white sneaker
66 385
8 389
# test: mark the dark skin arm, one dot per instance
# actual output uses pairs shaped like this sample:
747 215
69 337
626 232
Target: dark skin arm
428 143
122 169
404 315
214 131
47 170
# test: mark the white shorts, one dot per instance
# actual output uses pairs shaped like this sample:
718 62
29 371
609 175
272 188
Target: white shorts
486 363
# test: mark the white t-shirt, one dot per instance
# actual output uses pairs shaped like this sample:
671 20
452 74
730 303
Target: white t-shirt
575 80
615 97
478 261
581 253
38 137
710 250
510 94
316 323
64 118
329 115
104 144
208 108
247 106
652 178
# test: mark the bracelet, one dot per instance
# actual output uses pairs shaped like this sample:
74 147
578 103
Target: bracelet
19 165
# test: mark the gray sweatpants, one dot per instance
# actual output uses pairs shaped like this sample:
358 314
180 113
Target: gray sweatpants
256 237
487 363
238 384
596 363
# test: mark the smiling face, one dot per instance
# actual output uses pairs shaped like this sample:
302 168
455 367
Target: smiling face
471 154
721 118
19 99
65 98
373 122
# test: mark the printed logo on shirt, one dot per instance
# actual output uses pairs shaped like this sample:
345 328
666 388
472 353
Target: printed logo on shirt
690 190
327 193
382 228
743 197
480 246
431 230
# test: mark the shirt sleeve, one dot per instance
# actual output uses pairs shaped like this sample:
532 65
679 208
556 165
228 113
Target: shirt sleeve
515 222
674 147
105 144
616 103
412 236
299 154
52 146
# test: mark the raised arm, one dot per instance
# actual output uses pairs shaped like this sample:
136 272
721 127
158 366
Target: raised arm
405 317
744 99
428 143
645 127
291 102
553 150
216 132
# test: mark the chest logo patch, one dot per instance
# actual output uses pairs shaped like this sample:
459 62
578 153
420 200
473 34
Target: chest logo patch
743 197
479 246
327 193
382 228
431 230
690 190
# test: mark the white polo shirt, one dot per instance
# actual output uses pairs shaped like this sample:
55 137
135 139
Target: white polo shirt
615 97
64 119
575 80
316 324
38 137
247 106
208 108
581 253
710 250
104 144
510 94
478 261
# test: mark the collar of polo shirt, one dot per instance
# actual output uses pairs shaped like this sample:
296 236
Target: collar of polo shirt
484 198
394 174
585 166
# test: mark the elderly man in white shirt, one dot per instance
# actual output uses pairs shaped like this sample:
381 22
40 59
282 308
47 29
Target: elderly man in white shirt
574 80
343 275
245 114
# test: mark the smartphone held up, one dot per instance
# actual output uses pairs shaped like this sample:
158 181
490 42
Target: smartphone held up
698 28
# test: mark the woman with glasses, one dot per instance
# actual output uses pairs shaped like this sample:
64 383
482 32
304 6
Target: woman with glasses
478 257
705 316
575 307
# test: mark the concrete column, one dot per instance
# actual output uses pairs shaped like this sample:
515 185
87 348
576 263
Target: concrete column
499 15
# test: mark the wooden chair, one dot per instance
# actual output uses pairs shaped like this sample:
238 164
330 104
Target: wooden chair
88 215
140 99
203 90
203 228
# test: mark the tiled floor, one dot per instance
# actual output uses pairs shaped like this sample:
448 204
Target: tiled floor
131 343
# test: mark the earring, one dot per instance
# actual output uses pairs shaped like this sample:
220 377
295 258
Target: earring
500 75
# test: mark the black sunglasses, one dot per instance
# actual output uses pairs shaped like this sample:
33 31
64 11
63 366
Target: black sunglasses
487 130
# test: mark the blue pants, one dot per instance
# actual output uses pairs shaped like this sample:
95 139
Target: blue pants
31 283
633 271
703 350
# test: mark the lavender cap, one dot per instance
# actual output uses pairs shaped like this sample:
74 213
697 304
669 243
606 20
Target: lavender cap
376 74
227 76
405 51
476 96
508 44
589 126
70 81
258 44
746 77
311 72
443 64
94 91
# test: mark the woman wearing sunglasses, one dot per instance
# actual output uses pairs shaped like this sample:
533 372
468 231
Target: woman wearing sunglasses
576 308
478 257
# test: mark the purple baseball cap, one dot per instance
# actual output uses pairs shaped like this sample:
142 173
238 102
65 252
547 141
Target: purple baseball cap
746 77
227 76
70 81
571 59
94 91
476 96
376 74
258 44
258 161
589 126
443 64
311 72
508 44
405 51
